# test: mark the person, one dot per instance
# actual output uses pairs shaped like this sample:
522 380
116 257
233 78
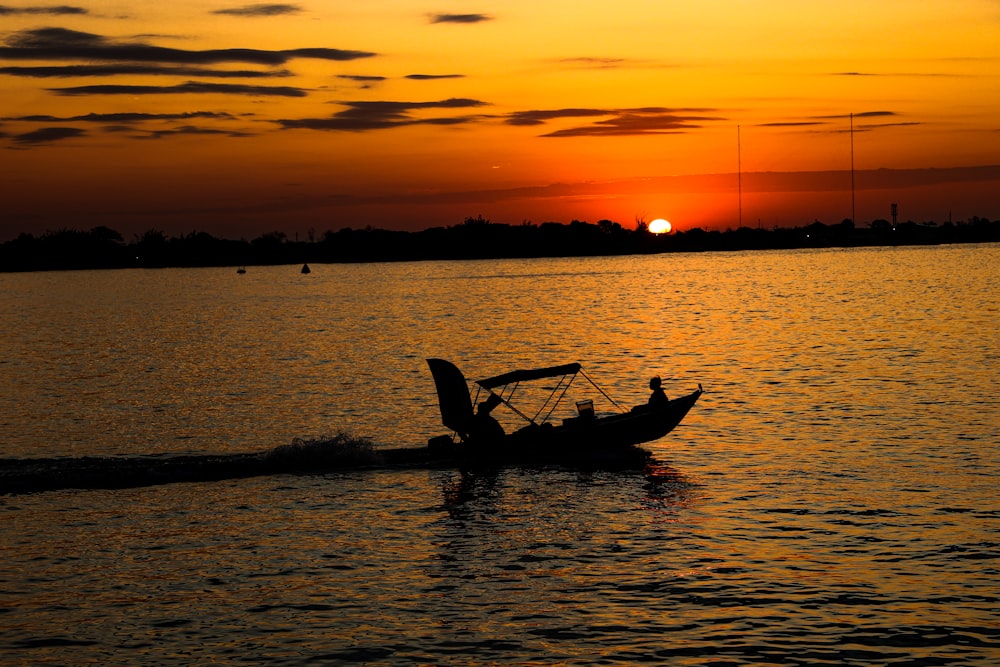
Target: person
486 430
659 397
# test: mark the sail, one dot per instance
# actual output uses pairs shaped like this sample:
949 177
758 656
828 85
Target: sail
529 374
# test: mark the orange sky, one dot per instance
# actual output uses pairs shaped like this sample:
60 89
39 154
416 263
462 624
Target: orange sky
238 119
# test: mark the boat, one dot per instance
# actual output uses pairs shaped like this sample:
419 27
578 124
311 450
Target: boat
477 434
241 270
306 269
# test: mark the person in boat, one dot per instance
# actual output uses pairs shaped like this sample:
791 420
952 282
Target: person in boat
658 398
486 430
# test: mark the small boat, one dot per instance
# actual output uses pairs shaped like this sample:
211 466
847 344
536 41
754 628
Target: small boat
241 270
306 269
586 433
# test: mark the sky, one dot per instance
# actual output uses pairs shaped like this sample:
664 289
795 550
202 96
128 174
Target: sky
239 119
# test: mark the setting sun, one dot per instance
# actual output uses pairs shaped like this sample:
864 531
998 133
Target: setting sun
660 226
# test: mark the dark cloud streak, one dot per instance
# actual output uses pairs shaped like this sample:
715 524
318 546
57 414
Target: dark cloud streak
862 114
114 69
64 44
47 135
260 10
433 77
191 87
539 117
828 124
127 117
460 18
794 123
594 63
622 122
192 130
360 78
382 115
631 125
869 127
60 10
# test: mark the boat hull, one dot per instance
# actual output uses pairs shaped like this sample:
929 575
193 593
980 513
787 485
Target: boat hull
642 424
597 439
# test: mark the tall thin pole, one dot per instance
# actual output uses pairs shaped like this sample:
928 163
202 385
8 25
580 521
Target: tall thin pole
739 175
852 168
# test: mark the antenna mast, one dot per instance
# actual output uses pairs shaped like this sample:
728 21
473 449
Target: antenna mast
739 176
852 168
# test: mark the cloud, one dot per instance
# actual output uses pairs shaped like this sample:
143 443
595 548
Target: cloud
47 135
622 122
130 123
459 18
839 127
795 123
862 114
868 127
127 117
433 77
630 124
539 117
191 87
64 44
862 126
115 69
260 10
594 63
61 10
193 130
362 116
364 81
895 74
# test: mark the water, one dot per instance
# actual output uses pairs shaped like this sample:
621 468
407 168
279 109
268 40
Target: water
831 499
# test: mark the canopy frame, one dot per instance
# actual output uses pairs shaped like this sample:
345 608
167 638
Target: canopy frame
508 384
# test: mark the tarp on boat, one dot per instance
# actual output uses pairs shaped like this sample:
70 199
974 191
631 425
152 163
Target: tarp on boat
529 374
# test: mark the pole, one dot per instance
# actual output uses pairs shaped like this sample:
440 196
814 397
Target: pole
852 169
739 176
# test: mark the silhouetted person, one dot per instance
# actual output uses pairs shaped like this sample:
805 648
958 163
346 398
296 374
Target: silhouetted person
486 430
659 397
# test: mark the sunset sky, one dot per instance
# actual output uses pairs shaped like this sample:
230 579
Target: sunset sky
238 119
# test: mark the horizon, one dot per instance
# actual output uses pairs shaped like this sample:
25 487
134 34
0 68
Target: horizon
239 118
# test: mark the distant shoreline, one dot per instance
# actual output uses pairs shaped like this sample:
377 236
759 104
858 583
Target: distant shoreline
476 238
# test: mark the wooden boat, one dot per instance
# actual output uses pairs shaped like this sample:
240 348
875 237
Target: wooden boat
478 435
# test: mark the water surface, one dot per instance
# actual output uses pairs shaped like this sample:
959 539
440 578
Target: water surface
830 500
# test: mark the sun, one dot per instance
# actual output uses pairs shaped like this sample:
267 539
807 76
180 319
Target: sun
660 226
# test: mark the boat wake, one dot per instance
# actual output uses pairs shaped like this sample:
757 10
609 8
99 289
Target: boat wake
302 457
118 472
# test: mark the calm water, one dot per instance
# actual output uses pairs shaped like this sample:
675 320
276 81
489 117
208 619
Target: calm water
832 499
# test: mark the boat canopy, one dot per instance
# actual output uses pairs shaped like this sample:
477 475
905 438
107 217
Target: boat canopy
528 374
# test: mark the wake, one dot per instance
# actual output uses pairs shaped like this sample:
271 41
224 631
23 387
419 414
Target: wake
342 451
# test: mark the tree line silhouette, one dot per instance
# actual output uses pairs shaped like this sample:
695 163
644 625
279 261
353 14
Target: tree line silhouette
475 238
